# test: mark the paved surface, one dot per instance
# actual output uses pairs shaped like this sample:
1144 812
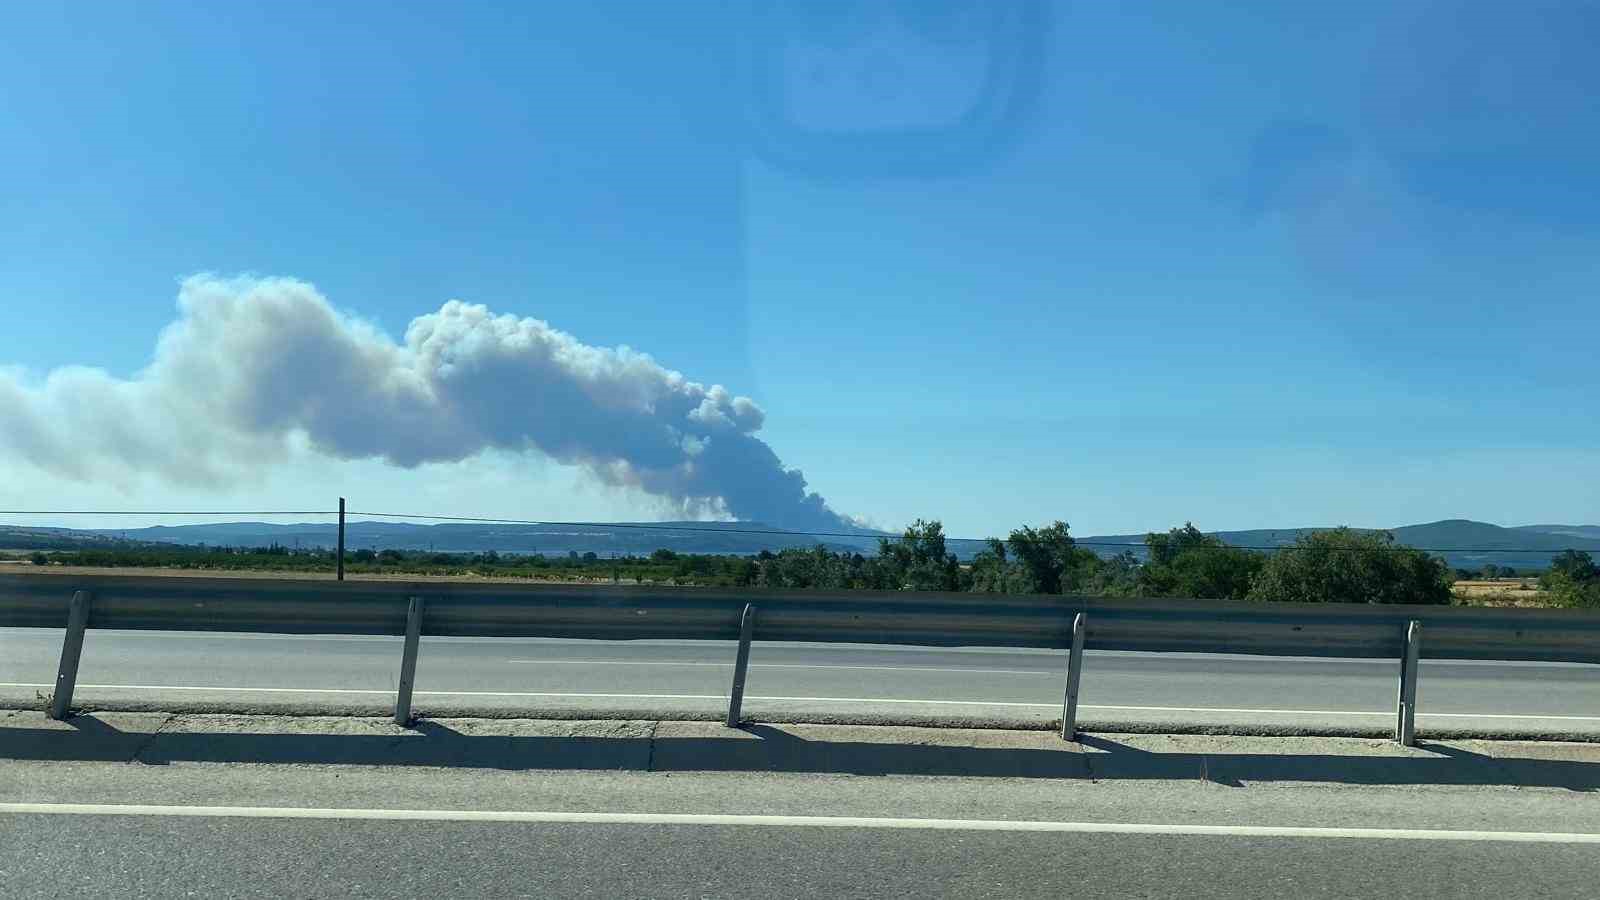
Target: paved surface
161 739
382 859
796 681
1142 815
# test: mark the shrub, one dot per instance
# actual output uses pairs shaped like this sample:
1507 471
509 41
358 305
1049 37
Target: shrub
1347 566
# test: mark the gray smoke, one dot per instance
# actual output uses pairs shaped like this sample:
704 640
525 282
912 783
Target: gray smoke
251 365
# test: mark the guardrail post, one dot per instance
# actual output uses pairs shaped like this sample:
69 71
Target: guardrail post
1405 728
1069 704
741 663
71 652
408 662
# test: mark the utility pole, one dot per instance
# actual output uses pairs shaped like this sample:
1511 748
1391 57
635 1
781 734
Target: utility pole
341 539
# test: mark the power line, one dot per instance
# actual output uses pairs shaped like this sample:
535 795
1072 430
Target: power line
650 526
858 534
646 526
168 512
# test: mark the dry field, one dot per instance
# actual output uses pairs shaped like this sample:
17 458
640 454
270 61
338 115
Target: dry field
1501 592
24 567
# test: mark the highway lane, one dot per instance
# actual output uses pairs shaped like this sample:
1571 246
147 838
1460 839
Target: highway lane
111 829
308 858
801 679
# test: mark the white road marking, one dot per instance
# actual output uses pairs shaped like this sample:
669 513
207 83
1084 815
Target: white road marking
576 695
729 665
600 818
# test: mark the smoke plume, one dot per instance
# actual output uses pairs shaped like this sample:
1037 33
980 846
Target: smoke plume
252 365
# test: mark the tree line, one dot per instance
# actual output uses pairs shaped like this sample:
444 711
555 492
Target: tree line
1339 565
1334 566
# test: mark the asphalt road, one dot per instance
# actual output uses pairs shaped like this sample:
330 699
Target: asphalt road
114 829
276 858
800 679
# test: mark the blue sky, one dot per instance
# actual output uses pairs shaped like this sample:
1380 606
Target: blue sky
1262 265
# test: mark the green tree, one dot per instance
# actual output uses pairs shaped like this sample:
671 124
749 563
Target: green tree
1164 548
1115 577
1573 580
1575 565
1347 566
818 567
39 559
1563 590
993 571
1050 557
918 561
1186 562
741 572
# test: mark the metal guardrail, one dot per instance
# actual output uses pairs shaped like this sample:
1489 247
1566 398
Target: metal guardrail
612 612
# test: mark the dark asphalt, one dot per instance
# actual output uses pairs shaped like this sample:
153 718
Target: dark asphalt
1145 781
168 857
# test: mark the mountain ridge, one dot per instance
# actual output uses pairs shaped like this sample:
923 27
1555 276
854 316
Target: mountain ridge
1465 543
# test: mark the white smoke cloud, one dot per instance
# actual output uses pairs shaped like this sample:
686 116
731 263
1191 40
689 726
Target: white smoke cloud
252 366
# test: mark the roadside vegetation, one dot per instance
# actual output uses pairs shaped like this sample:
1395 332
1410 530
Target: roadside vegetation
1573 580
1333 566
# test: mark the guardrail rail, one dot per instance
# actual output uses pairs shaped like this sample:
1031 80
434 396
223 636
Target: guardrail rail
622 612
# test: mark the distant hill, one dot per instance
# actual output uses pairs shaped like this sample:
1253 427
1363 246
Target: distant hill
1466 533
1463 542
620 538
27 537
1584 531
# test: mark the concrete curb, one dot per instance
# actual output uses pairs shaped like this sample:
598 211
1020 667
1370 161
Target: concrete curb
679 746
436 711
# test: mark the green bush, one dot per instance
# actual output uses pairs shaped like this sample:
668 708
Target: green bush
1347 566
1184 562
1573 580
